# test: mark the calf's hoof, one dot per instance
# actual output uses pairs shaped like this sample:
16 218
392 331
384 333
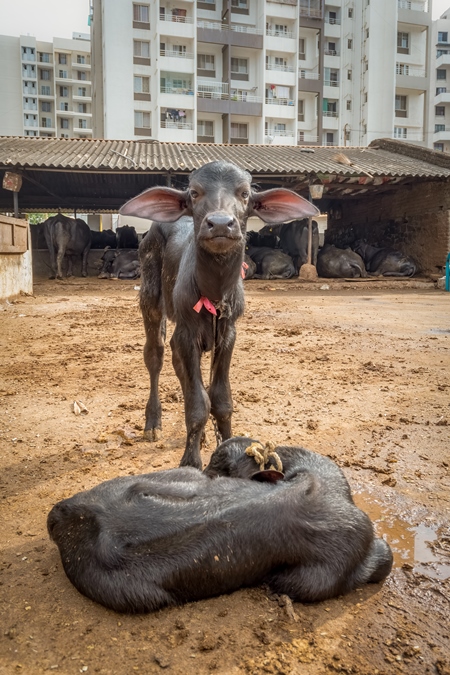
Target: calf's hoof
152 435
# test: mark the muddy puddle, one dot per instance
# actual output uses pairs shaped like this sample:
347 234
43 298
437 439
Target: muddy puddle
424 546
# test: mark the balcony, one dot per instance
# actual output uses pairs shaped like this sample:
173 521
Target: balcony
81 66
330 113
173 18
279 101
279 33
30 91
237 35
331 52
411 5
406 134
174 54
443 60
410 71
245 28
303 137
442 96
442 135
305 74
172 25
280 68
311 9
331 83
283 133
216 90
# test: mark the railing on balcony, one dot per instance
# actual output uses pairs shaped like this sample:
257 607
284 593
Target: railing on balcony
280 101
308 74
243 28
311 8
331 83
176 90
279 33
246 97
306 138
29 90
330 113
212 25
280 132
31 123
333 20
416 6
176 19
280 67
176 54
331 52
169 124
441 90
217 90
406 69
410 135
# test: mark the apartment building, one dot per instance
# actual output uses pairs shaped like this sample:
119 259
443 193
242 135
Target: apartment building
440 84
45 87
262 71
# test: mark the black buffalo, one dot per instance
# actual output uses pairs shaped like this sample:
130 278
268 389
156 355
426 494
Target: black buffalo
271 263
69 237
127 237
293 238
140 543
385 262
333 262
118 264
103 239
191 272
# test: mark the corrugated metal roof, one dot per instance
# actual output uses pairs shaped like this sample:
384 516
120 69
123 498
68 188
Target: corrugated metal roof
382 158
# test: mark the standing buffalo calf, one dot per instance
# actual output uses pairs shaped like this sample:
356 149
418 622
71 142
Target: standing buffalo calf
294 240
139 543
385 261
191 273
67 237
335 263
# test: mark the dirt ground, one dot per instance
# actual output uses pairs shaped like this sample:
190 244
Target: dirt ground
356 371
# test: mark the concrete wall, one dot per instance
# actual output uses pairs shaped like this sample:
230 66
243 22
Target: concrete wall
415 220
15 268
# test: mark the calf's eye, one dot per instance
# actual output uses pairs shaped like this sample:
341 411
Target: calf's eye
194 194
245 194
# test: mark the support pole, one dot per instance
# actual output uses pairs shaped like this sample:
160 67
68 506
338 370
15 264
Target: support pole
16 204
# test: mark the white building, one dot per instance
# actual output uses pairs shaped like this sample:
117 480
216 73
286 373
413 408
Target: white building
267 71
440 84
45 87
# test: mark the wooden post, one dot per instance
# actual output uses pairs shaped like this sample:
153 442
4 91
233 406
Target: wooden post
16 204
310 240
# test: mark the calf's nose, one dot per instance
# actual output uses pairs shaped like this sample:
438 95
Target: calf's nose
216 220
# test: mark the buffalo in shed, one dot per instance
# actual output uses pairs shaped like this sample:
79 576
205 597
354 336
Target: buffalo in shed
249 267
385 262
335 262
140 543
67 237
257 239
119 264
293 238
191 273
103 239
271 263
127 237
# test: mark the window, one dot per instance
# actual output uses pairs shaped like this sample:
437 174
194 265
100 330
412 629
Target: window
439 147
46 106
82 75
367 33
141 13
330 138
141 85
141 119
64 123
439 111
62 73
403 43
365 97
439 127
81 59
62 59
44 57
441 74
240 4
350 12
442 36
301 49
402 69
301 111
239 130
332 17
45 91
239 65
64 92
400 106
64 106
205 128
349 74
81 91
349 104
46 122
82 124
400 132
82 107
141 49
441 90
280 29
44 74
349 43
206 62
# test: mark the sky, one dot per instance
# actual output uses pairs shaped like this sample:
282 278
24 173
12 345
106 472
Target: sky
61 18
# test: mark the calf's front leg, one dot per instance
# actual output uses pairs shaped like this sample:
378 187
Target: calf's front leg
220 390
155 325
186 357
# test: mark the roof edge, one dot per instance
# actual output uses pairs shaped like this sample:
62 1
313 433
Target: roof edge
411 150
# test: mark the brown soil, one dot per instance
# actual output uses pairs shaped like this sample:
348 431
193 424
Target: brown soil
358 372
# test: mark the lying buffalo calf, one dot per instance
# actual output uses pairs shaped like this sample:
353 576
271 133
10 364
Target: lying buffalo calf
139 543
338 263
119 264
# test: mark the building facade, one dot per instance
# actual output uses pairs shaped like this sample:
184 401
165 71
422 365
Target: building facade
440 84
262 71
45 87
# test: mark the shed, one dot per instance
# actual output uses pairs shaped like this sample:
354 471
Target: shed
391 192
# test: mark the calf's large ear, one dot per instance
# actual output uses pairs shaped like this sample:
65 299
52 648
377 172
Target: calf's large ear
279 205
158 203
